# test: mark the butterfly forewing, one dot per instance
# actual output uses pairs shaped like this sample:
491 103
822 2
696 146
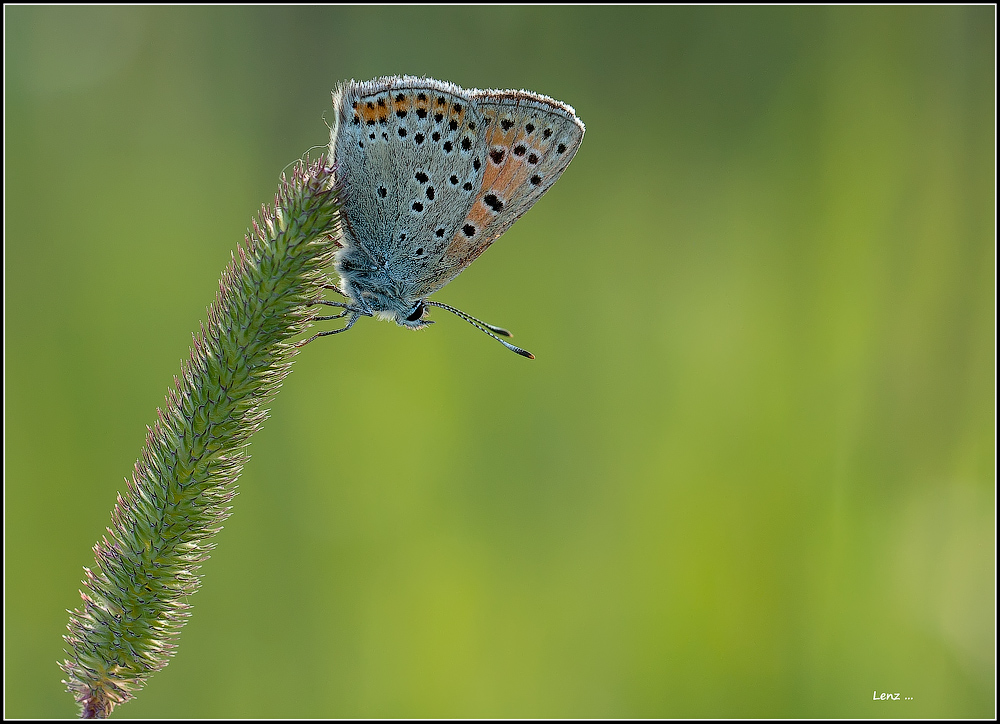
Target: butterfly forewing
529 141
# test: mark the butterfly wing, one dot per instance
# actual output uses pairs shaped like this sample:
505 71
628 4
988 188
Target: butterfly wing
529 141
410 153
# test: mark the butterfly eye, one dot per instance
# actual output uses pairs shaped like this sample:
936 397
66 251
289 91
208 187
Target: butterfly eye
417 313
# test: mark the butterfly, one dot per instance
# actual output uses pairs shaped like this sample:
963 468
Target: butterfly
432 175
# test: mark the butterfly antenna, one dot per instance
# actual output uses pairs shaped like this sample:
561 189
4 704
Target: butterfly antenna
484 327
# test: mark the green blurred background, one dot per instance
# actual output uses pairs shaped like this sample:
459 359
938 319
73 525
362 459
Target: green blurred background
751 472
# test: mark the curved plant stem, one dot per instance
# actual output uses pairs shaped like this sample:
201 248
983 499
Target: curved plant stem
145 567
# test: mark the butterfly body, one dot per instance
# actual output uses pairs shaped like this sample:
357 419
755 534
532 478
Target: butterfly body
432 175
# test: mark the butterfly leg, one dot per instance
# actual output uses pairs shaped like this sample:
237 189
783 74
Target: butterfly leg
334 287
354 318
346 307
328 317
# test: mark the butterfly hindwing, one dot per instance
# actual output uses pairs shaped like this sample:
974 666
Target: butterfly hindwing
409 152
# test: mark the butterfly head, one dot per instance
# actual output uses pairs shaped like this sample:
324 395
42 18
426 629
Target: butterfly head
374 291
416 318
411 319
